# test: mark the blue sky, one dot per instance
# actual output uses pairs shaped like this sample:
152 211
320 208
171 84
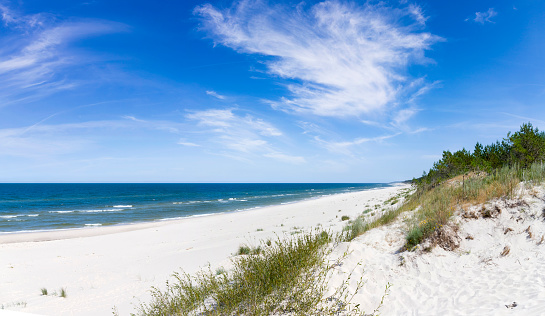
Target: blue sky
260 91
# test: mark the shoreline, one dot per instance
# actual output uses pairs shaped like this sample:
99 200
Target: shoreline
91 230
103 267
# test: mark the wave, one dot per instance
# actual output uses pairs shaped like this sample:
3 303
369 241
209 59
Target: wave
93 225
18 215
87 211
105 210
9 216
122 206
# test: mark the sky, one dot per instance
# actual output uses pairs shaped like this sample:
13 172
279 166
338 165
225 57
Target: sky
260 91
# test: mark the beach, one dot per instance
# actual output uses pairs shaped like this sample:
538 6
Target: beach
103 268
495 268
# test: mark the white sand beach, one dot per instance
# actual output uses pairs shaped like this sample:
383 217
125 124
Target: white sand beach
116 266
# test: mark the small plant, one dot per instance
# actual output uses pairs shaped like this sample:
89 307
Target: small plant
259 229
244 250
44 291
345 218
63 293
220 271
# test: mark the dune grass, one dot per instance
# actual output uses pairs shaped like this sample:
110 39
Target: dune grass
288 277
437 205
361 225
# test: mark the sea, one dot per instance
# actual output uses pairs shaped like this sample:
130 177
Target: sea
26 207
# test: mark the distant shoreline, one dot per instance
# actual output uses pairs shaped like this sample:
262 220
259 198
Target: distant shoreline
89 231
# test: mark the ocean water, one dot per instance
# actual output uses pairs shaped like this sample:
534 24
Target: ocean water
32 207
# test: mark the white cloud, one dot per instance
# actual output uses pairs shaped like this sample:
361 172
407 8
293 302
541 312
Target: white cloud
346 147
241 137
39 60
482 17
188 144
228 122
345 59
215 95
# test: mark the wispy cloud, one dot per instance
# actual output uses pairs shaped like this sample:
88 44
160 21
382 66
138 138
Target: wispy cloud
41 140
40 61
483 17
346 147
340 58
183 142
240 136
215 95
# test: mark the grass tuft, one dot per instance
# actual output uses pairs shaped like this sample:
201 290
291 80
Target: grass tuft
288 277
44 291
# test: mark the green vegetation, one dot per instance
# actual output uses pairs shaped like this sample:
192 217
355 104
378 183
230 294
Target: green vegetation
489 172
360 225
287 277
44 291
473 178
438 204
345 218
63 292
521 149
246 250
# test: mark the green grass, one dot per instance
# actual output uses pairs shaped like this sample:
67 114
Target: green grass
246 250
44 291
62 292
361 225
345 218
438 204
288 277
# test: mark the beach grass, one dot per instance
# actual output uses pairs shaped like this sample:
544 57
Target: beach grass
287 277
362 224
437 205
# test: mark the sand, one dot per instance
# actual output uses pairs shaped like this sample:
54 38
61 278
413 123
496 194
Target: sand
106 267
102 268
474 279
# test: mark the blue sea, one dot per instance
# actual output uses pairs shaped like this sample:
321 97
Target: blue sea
33 207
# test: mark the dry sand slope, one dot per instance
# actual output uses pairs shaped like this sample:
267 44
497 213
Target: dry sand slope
498 269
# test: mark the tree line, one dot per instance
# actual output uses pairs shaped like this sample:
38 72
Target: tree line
520 149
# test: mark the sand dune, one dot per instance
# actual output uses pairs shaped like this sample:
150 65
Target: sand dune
475 279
